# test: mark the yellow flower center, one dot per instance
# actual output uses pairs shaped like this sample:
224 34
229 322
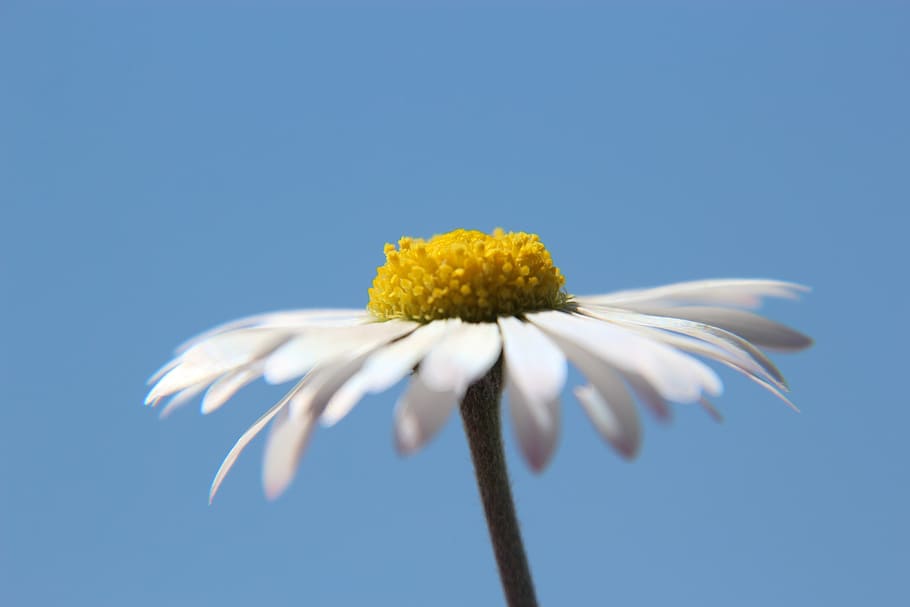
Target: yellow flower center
466 274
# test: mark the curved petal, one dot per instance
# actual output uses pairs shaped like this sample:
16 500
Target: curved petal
731 357
606 401
465 354
648 395
384 368
741 292
613 418
322 345
223 350
291 433
532 362
302 405
287 440
727 342
537 439
208 360
676 376
249 435
535 372
420 413
227 386
287 321
747 325
180 399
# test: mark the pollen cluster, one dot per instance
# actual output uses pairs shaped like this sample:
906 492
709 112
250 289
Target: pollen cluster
466 274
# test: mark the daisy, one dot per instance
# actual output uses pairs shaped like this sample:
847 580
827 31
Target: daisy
463 315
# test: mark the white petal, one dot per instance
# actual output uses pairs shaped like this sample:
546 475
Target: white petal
613 418
532 363
227 386
291 434
676 376
751 327
162 370
465 354
727 354
648 395
741 292
287 440
607 401
773 390
733 349
322 345
288 321
420 413
214 357
302 353
249 435
180 399
384 368
536 425
535 372
233 345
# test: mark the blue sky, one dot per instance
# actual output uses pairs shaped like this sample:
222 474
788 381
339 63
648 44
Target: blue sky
164 169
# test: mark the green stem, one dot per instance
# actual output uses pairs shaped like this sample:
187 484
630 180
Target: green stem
480 413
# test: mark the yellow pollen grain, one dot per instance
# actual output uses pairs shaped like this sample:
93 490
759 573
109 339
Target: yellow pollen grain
466 274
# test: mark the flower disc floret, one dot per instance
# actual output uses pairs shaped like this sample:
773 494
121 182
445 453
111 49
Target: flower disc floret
466 274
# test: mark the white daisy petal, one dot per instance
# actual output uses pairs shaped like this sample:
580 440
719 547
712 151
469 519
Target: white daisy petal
207 360
321 345
733 358
623 434
420 413
227 386
462 357
744 364
535 372
536 425
288 321
773 389
611 408
303 352
287 440
291 433
249 435
180 399
751 327
740 292
676 376
532 362
736 347
724 350
384 368
304 403
648 395
162 370
233 345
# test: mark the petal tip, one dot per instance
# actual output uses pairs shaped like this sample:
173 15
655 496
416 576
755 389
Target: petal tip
711 410
629 450
274 485
538 461
406 433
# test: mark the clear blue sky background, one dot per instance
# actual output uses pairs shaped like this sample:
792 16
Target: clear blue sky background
166 169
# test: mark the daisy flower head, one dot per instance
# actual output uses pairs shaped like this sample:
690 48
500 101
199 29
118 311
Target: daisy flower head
447 312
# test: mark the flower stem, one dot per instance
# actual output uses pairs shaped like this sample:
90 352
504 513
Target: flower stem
481 417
